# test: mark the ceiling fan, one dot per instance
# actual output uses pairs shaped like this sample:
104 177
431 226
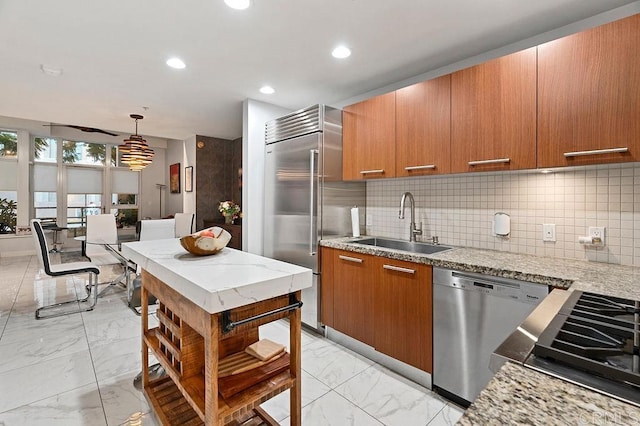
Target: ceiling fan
82 128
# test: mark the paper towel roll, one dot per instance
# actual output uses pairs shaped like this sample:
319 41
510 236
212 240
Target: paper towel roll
355 222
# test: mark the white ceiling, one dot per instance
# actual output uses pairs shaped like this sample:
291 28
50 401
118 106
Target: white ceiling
113 54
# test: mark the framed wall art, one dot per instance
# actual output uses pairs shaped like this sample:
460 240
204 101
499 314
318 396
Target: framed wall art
174 178
188 179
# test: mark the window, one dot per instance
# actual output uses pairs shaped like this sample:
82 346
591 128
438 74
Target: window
45 149
45 178
8 211
8 181
124 198
8 144
79 206
44 204
84 153
67 181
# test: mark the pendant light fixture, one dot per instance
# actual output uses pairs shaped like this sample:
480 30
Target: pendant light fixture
135 151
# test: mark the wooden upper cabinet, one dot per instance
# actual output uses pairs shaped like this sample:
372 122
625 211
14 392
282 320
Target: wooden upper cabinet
423 128
589 96
369 135
493 114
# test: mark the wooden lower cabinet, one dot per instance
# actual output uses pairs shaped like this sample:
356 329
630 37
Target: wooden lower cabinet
403 311
382 302
352 294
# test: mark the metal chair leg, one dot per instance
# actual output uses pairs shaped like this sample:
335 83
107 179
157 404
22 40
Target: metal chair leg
92 283
155 372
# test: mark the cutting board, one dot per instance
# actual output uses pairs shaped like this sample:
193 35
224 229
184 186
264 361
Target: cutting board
240 362
232 384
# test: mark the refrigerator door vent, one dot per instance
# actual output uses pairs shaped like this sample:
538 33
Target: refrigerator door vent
298 123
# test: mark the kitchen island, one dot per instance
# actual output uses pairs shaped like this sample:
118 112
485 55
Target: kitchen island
210 308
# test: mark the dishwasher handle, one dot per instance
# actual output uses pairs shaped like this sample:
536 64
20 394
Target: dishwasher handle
487 285
495 286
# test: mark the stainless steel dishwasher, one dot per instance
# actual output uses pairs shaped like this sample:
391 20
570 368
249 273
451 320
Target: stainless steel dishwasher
472 315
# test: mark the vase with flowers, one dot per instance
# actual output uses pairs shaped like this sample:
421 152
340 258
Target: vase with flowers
229 210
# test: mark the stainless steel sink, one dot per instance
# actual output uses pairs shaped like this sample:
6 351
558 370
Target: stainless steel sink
414 247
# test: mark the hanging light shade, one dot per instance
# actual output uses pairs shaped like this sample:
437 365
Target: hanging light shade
135 152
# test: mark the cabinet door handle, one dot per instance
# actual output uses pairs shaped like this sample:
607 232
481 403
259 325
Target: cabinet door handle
494 161
367 172
595 152
350 259
399 269
428 166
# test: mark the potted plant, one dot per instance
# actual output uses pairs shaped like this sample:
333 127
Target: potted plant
229 210
8 216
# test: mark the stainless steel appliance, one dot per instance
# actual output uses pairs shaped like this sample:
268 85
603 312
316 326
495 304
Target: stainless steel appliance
305 198
585 338
472 315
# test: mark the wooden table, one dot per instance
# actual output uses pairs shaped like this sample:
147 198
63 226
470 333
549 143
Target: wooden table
203 304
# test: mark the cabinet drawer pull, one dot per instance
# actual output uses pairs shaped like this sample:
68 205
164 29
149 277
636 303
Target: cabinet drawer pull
428 166
596 152
494 161
367 172
399 269
350 259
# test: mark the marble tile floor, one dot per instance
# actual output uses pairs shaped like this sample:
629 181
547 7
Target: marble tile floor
79 369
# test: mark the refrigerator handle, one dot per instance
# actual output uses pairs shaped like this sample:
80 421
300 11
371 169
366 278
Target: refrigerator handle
312 167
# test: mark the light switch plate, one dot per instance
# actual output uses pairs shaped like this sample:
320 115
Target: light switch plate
548 232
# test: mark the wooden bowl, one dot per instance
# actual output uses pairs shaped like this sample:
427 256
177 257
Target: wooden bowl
206 242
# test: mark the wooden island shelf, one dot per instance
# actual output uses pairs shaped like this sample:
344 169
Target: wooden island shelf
190 341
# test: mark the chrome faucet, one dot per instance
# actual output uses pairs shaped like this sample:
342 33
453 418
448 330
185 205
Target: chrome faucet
413 230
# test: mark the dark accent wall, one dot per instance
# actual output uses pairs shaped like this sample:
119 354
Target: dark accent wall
217 164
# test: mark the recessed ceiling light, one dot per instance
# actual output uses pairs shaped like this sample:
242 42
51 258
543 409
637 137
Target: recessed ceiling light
238 4
267 90
341 52
176 63
52 71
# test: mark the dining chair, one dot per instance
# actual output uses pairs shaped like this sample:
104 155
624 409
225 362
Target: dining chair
184 224
157 229
62 269
102 246
150 229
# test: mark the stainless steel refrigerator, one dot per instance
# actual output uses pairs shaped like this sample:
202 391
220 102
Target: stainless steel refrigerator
305 197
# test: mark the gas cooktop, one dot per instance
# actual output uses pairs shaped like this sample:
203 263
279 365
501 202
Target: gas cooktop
588 339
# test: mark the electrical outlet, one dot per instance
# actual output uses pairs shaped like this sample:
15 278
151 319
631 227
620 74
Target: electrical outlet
548 232
597 234
369 220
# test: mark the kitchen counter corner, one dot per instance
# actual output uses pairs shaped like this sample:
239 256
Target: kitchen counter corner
517 395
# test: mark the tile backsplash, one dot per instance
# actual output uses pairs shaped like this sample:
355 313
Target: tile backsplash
459 209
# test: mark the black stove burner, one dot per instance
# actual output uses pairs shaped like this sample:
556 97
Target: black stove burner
596 334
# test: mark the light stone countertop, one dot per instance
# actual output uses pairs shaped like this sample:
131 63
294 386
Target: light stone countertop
516 394
604 278
226 280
